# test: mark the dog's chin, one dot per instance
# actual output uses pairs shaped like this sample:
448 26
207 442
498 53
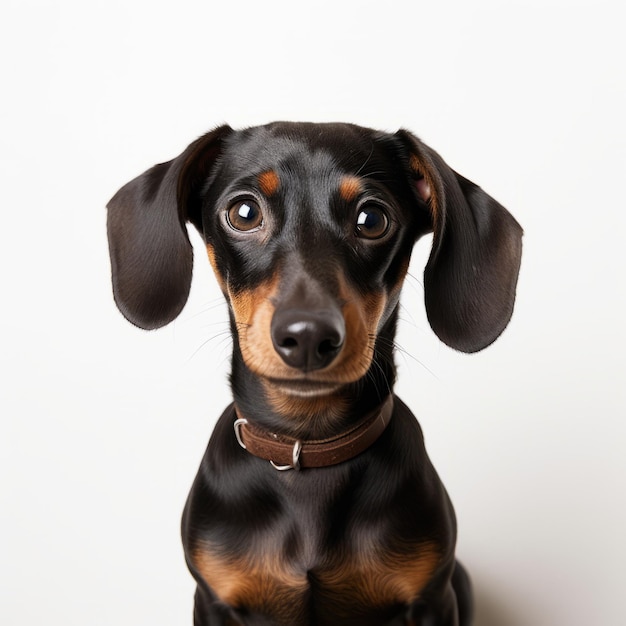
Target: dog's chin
303 389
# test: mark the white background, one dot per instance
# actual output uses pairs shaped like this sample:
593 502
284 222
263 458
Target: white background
103 425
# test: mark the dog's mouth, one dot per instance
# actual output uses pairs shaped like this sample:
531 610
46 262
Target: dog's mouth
303 388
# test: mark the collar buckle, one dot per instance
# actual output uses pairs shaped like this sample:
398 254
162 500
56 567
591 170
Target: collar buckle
295 459
285 453
295 453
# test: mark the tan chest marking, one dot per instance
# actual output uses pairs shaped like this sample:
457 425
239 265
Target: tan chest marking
264 583
269 585
372 580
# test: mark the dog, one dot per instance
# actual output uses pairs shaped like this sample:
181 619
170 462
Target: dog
315 503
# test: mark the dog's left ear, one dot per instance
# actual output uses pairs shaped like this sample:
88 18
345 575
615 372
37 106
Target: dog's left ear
151 255
471 275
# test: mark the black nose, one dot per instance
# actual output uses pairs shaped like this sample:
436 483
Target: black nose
308 340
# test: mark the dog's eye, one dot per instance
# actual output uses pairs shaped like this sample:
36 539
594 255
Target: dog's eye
245 215
372 222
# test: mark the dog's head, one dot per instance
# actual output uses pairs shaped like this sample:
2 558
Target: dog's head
309 228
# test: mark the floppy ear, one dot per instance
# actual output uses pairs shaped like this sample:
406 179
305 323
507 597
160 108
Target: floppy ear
151 255
471 275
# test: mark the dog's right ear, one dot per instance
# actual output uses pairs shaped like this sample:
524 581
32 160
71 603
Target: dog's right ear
151 255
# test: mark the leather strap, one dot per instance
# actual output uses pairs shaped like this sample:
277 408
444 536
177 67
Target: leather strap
290 453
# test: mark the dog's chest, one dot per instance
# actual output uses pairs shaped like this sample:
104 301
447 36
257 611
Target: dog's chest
309 572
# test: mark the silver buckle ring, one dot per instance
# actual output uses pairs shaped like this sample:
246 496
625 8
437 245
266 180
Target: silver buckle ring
295 459
237 426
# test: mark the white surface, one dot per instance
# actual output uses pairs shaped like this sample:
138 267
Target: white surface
103 426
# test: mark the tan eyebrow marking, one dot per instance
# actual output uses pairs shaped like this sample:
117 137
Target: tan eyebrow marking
269 182
350 187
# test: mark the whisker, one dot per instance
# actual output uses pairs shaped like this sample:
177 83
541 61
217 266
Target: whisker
407 355
209 306
383 376
391 343
224 338
369 156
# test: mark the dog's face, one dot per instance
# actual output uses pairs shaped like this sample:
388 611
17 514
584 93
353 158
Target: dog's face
310 243
309 228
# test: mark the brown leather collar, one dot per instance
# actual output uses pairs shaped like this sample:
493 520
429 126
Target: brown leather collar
289 453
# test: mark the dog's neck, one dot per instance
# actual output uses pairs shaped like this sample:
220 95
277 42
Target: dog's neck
317 418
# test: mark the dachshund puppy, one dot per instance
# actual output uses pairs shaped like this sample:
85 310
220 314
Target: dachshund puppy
315 503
